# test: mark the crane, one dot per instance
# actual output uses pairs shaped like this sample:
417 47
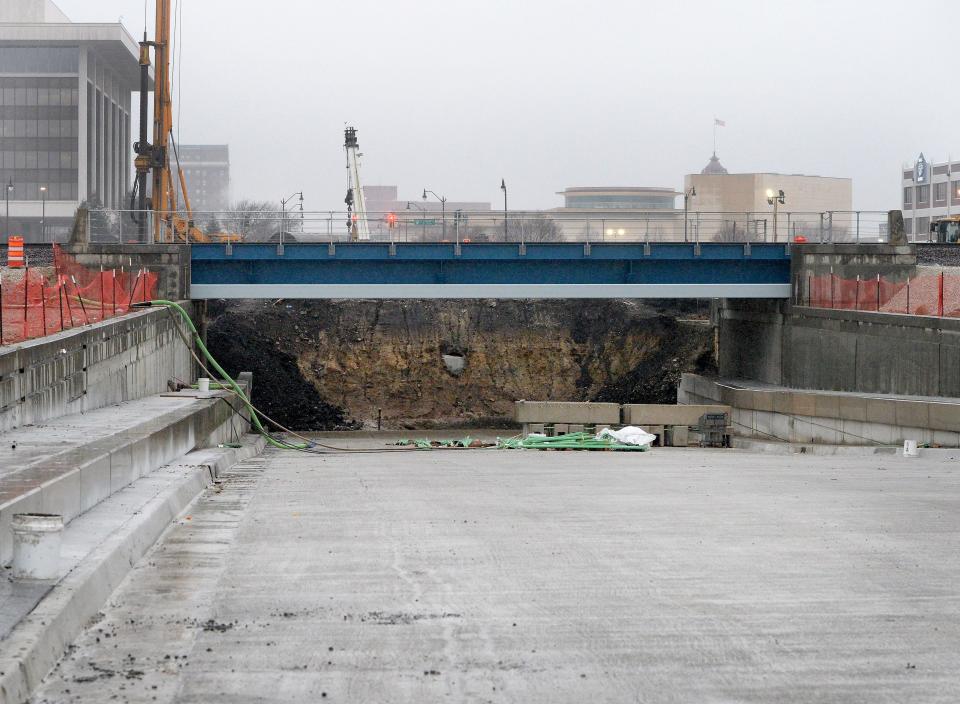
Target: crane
357 224
154 158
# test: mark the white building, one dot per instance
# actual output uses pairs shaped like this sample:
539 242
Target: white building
611 213
65 93
930 191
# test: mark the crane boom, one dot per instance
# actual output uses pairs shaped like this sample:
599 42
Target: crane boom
357 225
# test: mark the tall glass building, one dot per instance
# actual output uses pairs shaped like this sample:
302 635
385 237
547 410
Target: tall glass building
65 128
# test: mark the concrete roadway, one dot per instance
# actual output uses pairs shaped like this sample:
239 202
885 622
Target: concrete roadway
488 576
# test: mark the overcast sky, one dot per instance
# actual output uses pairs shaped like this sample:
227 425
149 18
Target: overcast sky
454 95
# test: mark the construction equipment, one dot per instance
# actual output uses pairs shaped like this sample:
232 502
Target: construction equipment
714 429
169 225
357 224
946 229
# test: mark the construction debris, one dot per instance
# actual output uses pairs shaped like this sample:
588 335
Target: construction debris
605 440
426 444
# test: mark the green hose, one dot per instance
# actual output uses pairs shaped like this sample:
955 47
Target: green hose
254 416
571 441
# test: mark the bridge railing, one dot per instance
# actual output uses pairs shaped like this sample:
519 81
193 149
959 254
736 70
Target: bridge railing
558 225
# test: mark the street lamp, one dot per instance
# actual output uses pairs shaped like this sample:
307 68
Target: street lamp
283 211
423 218
503 187
776 200
443 209
43 214
7 193
687 195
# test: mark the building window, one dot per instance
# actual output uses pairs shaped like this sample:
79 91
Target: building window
908 226
908 197
940 192
955 189
33 60
923 196
923 227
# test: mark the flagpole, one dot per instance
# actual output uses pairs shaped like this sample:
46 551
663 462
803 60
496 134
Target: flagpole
714 136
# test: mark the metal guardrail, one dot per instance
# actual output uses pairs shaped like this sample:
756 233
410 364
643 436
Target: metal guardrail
514 226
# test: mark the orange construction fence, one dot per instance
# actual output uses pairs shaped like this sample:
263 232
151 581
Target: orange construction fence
927 294
40 301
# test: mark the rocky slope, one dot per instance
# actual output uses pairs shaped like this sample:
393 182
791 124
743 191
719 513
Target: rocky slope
324 364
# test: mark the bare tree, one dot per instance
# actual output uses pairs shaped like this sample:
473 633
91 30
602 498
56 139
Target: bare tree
539 228
255 220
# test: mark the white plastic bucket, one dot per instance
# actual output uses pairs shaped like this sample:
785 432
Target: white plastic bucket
203 384
36 545
910 448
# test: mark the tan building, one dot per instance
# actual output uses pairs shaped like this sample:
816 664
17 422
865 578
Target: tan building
733 206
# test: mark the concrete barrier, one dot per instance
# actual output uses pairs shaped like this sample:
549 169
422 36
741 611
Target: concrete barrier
642 414
86 368
528 412
831 418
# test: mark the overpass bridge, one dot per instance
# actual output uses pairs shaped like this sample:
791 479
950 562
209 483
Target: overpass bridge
490 270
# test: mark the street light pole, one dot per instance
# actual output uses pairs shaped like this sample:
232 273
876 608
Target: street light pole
443 209
503 187
43 214
687 195
776 200
283 211
423 219
7 192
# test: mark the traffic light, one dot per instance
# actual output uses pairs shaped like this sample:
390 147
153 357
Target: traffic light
391 220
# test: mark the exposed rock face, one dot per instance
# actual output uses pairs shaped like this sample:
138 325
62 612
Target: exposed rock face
402 356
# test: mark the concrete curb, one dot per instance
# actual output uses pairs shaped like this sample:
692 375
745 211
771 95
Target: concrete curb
39 641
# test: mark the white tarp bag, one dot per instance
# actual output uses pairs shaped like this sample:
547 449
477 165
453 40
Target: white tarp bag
628 436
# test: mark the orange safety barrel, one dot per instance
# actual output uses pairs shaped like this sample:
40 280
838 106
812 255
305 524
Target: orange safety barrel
15 252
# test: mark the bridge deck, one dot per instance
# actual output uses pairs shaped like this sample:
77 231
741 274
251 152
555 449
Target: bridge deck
491 270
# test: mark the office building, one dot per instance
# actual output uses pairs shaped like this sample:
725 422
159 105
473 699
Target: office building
930 191
65 94
206 168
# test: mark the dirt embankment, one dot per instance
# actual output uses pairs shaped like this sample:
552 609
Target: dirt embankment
322 364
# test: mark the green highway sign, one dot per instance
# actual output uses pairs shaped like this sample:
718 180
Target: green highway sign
424 222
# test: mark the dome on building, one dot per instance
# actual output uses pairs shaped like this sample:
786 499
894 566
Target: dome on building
714 167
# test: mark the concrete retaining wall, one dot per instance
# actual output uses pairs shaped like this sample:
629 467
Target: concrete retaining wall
835 419
851 260
776 343
170 261
834 350
91 367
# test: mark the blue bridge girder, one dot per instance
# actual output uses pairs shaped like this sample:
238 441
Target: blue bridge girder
490 270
